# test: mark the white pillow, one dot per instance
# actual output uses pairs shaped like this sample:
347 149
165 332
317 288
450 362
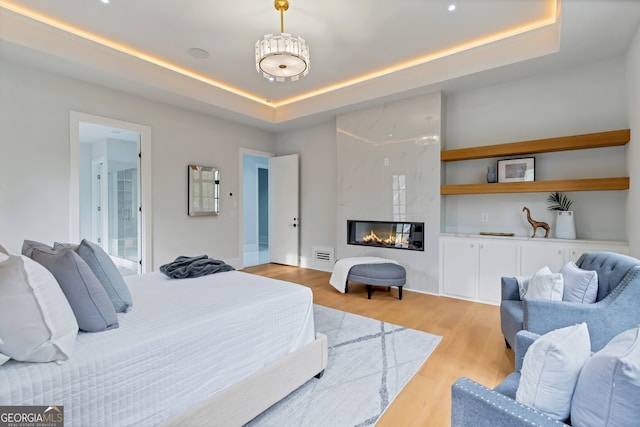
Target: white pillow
523 285
609 385
36 321
551 368
579 285
545 285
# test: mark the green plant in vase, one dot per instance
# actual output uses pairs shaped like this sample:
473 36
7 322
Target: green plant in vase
559 202
565 222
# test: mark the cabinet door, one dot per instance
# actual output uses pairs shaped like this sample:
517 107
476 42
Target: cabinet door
535 256
495 259
576 251
459 267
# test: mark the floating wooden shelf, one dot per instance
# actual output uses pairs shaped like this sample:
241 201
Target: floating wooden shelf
564 143
592 184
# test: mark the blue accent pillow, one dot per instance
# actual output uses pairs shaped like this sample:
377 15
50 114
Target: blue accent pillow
579 285
105 270
89 301
107 273
609 384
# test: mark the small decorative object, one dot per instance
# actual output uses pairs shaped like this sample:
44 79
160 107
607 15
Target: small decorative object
565 220
491 174
536 224
204 190
517 170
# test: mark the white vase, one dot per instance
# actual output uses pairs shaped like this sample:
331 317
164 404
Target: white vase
565 225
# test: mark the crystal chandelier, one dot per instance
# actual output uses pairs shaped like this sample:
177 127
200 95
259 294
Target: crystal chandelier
282 56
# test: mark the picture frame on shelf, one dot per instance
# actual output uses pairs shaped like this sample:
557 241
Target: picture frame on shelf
517 170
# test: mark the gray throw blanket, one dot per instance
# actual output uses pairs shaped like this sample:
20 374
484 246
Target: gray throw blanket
184 267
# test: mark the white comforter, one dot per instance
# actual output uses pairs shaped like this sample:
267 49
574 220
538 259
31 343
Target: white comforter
183 341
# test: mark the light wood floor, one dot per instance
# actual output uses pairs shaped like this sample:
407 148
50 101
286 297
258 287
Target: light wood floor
472 344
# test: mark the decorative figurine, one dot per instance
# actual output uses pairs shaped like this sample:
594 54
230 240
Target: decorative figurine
535 224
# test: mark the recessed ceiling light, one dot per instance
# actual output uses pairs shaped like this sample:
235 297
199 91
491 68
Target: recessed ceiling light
451 7
105 1
198 53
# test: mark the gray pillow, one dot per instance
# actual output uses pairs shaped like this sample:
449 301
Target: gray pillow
29 245
88 299
105 270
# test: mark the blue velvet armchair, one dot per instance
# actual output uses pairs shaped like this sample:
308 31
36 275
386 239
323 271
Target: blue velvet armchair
616 309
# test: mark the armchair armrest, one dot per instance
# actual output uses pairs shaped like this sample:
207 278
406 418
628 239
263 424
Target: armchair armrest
524 339
510 289
473 404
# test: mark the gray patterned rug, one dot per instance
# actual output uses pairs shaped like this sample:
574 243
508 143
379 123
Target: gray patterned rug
369 363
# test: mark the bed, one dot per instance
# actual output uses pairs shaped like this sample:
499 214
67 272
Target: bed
213 350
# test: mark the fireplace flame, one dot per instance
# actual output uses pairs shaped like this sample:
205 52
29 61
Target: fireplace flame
373 238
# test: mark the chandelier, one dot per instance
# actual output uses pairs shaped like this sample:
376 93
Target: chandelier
282 56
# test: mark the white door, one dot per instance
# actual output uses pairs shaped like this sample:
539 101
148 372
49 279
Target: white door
283 207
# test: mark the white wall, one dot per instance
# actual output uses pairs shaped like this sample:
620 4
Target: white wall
585 99
34 165
316 146
34 142
633 159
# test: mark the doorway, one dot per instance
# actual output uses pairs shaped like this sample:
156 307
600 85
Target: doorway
109 206
109 187
255 209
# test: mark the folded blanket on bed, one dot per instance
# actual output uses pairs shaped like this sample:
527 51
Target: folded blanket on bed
184 267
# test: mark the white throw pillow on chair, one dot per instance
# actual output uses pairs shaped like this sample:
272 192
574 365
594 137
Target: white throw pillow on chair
551 368
545 285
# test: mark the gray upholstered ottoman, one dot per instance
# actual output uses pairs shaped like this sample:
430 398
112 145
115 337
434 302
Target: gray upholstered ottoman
383 274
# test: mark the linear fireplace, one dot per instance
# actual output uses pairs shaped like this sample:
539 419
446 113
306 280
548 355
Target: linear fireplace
386 234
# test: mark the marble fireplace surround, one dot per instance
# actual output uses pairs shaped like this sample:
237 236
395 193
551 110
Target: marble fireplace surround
388 167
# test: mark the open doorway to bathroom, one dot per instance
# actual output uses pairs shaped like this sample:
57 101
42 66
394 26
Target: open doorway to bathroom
110 185
109 192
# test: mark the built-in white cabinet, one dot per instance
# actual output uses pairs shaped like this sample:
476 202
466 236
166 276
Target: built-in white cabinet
534 256
495 259
459 267
471 266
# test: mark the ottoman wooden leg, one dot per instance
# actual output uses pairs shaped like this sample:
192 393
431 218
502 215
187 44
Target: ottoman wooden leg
369 291
400 292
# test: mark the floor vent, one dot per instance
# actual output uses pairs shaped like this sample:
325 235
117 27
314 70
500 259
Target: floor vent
323 255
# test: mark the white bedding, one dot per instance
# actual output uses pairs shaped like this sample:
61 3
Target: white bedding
183 341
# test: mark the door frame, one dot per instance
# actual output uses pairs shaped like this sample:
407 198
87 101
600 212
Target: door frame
250 152
145 199
99 222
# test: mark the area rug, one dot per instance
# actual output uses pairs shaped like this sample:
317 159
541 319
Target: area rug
370 361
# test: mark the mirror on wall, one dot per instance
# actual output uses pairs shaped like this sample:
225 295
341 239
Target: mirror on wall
204 190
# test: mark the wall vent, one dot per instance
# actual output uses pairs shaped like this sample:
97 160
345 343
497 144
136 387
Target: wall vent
323 255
